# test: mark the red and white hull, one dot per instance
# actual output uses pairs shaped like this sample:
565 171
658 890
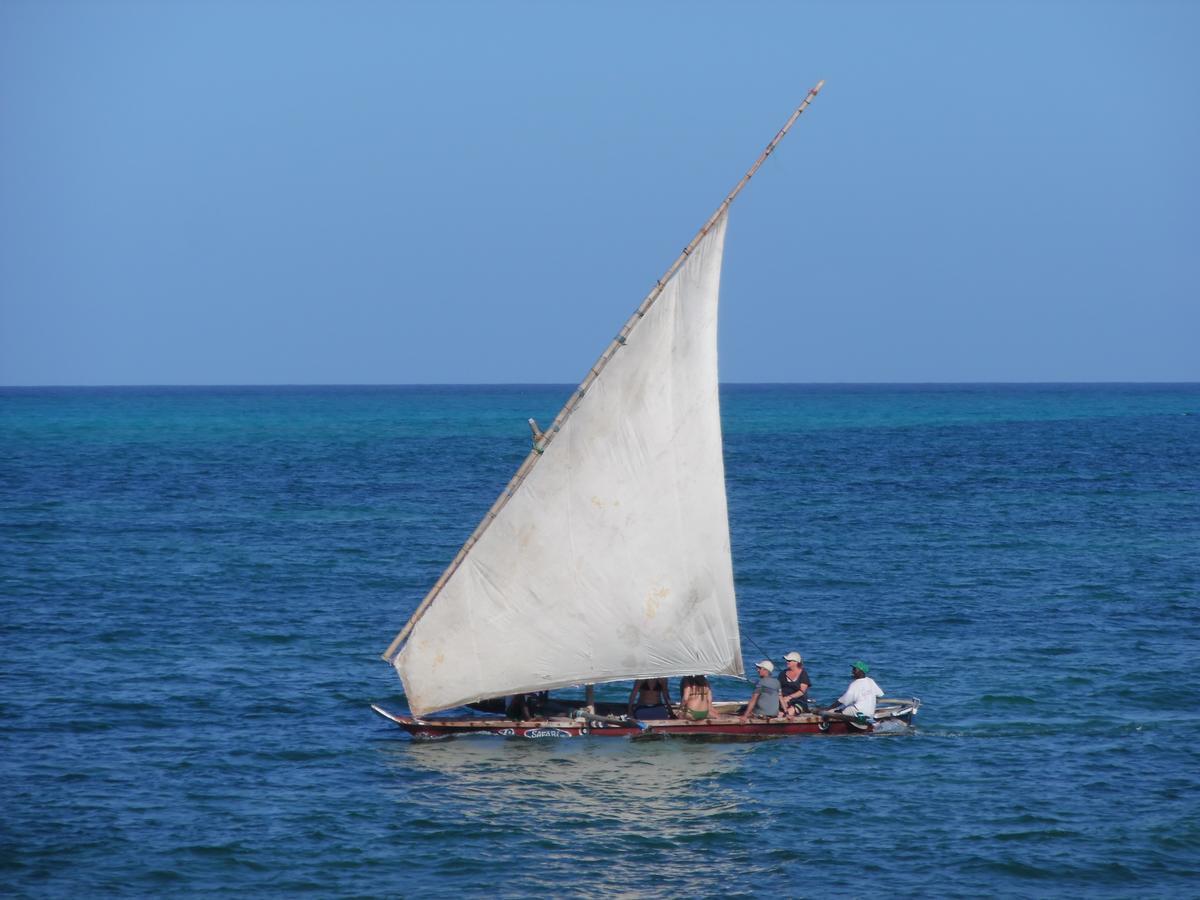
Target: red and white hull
435 728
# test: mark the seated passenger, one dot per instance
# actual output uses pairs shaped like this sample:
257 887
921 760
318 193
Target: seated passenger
522 707
650 699
765 699
695 698
794 684
860 696
517 708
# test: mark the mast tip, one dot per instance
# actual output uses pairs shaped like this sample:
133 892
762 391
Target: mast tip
820 84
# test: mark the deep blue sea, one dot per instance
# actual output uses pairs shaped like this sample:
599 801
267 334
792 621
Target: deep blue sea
197 583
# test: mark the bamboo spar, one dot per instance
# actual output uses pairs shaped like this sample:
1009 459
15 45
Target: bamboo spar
547 436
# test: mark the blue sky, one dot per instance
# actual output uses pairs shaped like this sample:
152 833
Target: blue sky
319 192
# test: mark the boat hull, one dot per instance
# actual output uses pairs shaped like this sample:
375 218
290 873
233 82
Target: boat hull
721 727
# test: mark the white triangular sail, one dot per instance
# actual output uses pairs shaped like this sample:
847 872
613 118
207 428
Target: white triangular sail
611 558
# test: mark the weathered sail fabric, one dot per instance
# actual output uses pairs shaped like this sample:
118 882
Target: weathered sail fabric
612 559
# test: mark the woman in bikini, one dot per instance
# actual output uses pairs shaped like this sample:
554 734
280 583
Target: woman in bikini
650 699
695 698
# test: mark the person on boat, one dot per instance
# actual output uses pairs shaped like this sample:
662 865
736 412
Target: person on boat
521 707
650 699
794 684
695 698
859 698
517 708
765 699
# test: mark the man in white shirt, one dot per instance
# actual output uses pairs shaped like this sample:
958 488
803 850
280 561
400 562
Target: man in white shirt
860 696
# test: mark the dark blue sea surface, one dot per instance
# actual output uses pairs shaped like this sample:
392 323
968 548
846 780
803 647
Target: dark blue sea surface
197 583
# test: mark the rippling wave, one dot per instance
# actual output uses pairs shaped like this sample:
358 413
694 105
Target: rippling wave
196 585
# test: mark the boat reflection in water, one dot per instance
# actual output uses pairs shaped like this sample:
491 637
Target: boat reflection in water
641 817
562 803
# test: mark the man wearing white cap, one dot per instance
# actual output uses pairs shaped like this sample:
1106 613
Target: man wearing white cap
765 699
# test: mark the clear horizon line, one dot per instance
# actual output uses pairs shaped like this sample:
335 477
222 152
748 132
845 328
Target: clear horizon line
571 384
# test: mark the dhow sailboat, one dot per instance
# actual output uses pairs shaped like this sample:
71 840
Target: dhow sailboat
607 556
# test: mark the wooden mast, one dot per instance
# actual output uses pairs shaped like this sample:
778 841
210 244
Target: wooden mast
544 439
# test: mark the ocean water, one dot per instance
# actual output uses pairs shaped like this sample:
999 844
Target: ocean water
196 585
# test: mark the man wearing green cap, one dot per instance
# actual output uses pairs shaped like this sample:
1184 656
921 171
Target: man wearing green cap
860 696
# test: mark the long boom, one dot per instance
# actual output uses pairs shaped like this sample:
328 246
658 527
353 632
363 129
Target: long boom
546 437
